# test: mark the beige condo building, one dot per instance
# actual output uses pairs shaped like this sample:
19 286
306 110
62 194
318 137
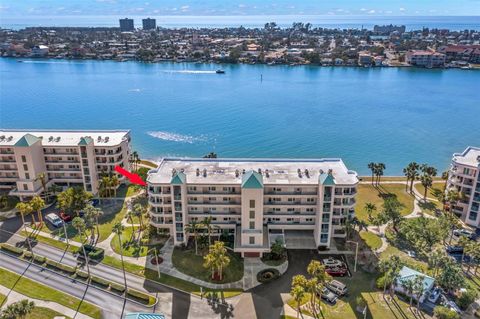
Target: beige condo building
67 158
307 202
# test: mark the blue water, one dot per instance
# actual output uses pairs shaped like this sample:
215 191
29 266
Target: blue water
393 115
250 21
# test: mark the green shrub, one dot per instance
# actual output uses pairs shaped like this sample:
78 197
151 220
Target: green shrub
380 283
441 312
267 275
139 295
39 259
117 287
27 254
82 274
466 298
12 249
60 266
94 253
100 281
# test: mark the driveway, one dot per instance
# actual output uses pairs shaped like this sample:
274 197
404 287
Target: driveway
299 239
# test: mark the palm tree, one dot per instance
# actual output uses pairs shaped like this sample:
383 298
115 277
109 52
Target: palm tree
79 224
317 271
391 268
134 160
37 204
54 189
25 209
371 166
93 214
411 172
379 170
18 310
207 223
130 214
217 258
409 288
464 242
193 228
138 211
435 260
114 182
118 229
427 182
42 177
298 292
370 208
418 289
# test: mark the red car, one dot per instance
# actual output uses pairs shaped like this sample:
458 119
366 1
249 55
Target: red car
65 217
337 271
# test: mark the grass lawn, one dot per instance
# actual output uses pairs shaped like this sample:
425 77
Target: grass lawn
376 195
431 205
130 245
11 203
391 250
187 262
127 191
371 240
2 299
44 313
36 290
392 178
52 242
362 284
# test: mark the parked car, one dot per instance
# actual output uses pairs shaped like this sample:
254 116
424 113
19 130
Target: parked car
464 232
65 217
94 202
336 271
54 220
411 253
434 295
455 250
337 287
329 296
331 262
450 304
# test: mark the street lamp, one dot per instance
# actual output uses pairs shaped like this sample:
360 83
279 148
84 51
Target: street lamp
356 253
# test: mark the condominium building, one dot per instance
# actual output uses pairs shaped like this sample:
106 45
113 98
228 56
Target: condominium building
67 158
425 59
464 176
149 24
305 201
126 25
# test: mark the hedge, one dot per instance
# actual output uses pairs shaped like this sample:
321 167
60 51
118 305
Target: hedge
139 295
82 274
94 253
63 267
27 254
39 259
100 281
12 248
117 287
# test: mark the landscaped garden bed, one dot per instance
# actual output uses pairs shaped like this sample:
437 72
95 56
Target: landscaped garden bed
268 275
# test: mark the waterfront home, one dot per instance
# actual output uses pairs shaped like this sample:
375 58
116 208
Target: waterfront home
426 59
305 201
409 274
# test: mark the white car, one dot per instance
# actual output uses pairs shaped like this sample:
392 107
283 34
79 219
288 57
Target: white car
332 262
463 232
411 253
54 220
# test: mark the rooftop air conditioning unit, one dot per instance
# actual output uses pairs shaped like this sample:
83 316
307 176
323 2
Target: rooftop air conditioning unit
307 173
198 171
299 171
2 137
204 172
106 139
57 139
267 173
260 171
99 139
50 138
9 138
173 171
237 172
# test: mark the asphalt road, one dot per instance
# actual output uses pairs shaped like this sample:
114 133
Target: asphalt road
111 305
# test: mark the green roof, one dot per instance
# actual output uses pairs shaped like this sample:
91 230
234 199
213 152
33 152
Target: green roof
178 179
85 140
326 179
27 140
252 179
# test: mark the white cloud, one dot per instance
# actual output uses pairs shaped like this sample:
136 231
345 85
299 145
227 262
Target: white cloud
402 9
184 7
156 11
241 5
371 11
389 11
363 9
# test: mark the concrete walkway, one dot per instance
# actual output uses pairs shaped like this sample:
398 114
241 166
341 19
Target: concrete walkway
13 296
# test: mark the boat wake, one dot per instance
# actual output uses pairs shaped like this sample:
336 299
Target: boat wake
190 72
174 137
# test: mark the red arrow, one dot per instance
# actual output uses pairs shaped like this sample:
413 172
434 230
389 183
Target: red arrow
133 178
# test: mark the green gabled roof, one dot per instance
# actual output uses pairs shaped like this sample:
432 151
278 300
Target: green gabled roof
178 179
252 179
326 179
27 140
85 140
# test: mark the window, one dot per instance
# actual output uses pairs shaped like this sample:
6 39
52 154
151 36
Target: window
252 203
25 167
25 187
24 159
252 225
27 176
252 214
251 240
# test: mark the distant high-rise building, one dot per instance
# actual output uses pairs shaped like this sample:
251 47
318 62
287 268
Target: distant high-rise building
126 25
149 24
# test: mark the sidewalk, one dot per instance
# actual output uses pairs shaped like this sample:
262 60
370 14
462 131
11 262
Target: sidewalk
14 296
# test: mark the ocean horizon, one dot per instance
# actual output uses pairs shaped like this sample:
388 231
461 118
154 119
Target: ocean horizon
248 21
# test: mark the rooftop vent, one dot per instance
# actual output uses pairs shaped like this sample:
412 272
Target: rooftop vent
330 172
243 171
198 172
307 173
106 139
237 172
478 158
321 171
50 138
299 171
99 139
57 139
204 172
174 171
2 137
260 171
267 173
182 170
9 138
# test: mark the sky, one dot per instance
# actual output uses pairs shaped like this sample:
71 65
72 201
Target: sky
244 7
